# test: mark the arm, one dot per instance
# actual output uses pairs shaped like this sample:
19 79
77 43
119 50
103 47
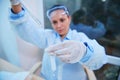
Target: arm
91 54
97 56
25 26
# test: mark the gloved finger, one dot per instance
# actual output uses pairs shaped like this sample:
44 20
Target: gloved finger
62 52
64 58
56 52
59 46
54 47
52 54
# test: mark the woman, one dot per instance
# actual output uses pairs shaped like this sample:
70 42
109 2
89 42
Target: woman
67 50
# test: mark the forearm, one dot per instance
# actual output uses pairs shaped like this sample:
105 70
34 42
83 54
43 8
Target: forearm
26 27
98 58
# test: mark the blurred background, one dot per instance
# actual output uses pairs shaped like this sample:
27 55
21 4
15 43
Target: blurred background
24 55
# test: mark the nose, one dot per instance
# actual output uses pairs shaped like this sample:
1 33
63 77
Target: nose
59 24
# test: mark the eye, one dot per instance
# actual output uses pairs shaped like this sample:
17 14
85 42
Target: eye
62 20
54 22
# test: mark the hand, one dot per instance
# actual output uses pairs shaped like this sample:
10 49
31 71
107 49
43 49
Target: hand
15 2
69 51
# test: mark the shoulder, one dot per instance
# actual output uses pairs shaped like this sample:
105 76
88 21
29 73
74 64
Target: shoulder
79 35
50 32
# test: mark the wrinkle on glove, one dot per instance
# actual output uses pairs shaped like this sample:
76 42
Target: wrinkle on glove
4 75
68 51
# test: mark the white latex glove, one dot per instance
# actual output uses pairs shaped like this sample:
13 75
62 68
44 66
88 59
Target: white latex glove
15 2
69 51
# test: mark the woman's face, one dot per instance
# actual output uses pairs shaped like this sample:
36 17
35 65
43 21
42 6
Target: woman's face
60 22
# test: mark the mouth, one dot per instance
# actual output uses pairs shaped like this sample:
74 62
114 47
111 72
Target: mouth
60 30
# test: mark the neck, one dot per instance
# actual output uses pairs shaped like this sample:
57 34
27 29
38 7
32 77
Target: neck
62 37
